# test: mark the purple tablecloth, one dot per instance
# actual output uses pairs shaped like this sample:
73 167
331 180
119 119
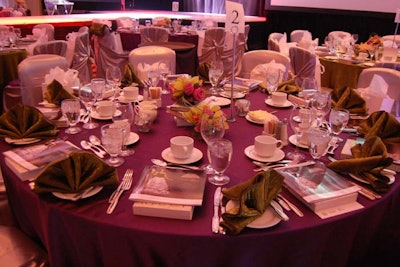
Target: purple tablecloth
82 234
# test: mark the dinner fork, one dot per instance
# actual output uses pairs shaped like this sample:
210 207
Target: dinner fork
124 185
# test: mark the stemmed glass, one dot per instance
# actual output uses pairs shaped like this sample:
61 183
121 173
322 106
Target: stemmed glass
300 122
309 88
338 119
321 105
211 128
3 38
112 138
154 76
98 86
113 77
71 110
272 79
219 154
318 142
165 69
214 74
12 38
88 98
123 117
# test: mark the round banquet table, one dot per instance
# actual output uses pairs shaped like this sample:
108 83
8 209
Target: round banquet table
82 234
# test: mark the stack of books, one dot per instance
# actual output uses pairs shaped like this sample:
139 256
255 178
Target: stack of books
168 192
327 193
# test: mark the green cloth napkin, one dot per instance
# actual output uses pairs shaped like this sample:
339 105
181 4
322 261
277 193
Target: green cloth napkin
288 87
202 71
25 122
129 76
369 159
98 28
382 124
349 99
56 93
254 196
75 173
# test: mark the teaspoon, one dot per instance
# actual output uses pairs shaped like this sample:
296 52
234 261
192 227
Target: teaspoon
96 141
86 145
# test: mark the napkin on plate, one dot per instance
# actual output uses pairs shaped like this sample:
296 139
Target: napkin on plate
349 99
55 93
254 196
129 76
75 173
288 87
369 159
382 124
25 122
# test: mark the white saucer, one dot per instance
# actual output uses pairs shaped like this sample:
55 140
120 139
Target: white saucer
292 140
167 155
75 197
266 220
227 94
216 101
97 116
133 138
253 121
123 99
249 151
269 102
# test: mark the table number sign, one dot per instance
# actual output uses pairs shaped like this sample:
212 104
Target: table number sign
397 18
234 21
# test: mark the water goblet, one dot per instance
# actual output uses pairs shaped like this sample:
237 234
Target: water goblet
3 39
321 105
71 108
98 86
318 142
154 77
214 74
123 117
112 138
88 98
113 77
338 119
272 79
300 121
219 154
165 69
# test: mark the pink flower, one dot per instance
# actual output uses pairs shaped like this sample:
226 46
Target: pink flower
199 94
188 88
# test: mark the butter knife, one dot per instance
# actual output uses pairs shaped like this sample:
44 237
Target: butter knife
215 218
278 210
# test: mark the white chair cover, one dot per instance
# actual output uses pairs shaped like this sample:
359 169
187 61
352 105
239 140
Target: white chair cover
56 47
391 38
81 59
31 72
296 35
339 34
212 45
304 64
49 30
150 55
152 34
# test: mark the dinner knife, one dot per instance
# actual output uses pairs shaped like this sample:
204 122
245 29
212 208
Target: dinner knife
215 218
278 210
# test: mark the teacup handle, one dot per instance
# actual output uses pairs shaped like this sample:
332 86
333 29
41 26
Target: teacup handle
279 144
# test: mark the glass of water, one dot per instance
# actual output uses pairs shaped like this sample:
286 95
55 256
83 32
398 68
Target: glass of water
219 154
71 108
112 138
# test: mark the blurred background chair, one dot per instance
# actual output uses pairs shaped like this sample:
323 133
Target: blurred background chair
31 72
212 44
339 34
150 34
273 41
80 57
49 30
296 35
56 47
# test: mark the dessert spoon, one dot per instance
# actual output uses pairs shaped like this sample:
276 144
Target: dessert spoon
86 145
97 142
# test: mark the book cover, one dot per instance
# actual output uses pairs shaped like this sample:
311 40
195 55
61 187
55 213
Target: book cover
170 186
27 162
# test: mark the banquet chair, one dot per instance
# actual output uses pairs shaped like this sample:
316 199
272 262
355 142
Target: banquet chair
151 34
213 44
395 38
55 47
391 77
273 41
125 23
150 55
339 34
81 58
31 72
297 35
49 30
256 57
230 67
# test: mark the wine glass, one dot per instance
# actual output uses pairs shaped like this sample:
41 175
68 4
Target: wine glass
214 74
321 105
338 119
154 76
165 69
71 110
309 87
123 117
113 77
318 141
3 38
272 79
98 85
88 98
300 121
219 154
12 38
112 138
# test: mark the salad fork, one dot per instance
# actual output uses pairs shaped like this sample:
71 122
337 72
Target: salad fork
124 186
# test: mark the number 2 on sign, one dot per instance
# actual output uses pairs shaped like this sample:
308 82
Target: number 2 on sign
235 21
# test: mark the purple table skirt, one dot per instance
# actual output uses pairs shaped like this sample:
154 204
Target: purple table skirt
82 234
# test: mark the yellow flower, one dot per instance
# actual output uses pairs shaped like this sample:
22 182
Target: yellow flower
197 113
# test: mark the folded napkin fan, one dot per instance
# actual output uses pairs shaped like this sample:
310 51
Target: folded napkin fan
75 173
129 76
349 99
368 161
382 124
288 87
56 93
25 121
254 196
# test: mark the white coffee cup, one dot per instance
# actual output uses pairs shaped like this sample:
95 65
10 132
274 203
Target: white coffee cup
278 98
131 92
105 108
181 146
266 146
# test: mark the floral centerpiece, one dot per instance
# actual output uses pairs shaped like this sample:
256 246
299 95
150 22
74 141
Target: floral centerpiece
187 91
195 114
371 44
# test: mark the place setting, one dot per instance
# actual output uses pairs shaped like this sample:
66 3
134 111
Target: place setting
278 100
265 149
181 151
130 94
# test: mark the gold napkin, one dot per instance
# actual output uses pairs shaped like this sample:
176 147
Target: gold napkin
368 161
253 196
288 87
129 76
25 121
349 99
97 28
56 93
202 71
75 173
382 124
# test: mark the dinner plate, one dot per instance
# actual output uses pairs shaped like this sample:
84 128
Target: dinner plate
227 94
168 156
22 141
75 196
266 220
97 116
250 152
360 179
123 99
269 102
133 138
293 141
250 119
217 101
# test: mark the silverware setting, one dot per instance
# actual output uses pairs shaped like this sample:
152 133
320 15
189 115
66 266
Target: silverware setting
123 186
96 150
162 163
275 206
290 205
265 166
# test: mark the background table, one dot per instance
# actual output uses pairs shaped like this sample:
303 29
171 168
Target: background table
82 234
